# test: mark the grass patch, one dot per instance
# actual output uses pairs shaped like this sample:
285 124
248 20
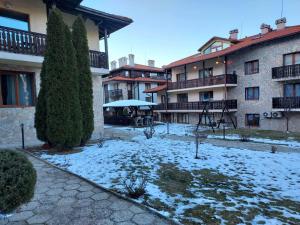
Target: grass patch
202 212
174 181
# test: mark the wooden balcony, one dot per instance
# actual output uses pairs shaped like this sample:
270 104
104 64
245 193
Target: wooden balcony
286 103
31 43
230 79
286 72
211 105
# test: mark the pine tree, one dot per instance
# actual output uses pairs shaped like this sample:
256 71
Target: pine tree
58 110
72 87
41 109
79 36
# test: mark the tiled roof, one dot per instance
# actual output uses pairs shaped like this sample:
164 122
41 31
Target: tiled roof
156 89
243 43
138 79
140 67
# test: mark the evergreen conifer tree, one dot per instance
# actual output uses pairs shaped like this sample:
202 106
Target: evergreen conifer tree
79 37
58 108
72 87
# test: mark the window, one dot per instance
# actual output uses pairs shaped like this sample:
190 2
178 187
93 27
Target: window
291 59
16 88
292 90
252 120
182 98
182 118
205 72
14 20
216 46
206 96
252 93
181 77
251 67
148 99
147 86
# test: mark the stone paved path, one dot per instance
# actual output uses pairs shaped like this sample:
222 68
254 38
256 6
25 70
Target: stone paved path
61 198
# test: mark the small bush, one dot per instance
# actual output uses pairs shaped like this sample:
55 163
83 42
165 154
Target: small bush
17 180
244 138
135 187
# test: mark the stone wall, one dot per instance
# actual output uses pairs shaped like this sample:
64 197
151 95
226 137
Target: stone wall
269 55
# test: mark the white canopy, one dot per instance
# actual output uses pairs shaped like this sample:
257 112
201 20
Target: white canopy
129 103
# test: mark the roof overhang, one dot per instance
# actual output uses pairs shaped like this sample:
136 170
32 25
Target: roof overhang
103 20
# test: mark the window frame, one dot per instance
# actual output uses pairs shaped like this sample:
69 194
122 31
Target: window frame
16 74
147 85
210 72
252 99
12 14
178 75
181 94
293 54
252 71
294 89
254 115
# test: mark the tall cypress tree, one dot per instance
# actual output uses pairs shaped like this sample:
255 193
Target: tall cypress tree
72 87
58 109
41 109
79 37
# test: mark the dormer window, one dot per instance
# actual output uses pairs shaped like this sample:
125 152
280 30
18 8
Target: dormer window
216 46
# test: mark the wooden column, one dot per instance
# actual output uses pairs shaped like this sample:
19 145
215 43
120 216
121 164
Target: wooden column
106 45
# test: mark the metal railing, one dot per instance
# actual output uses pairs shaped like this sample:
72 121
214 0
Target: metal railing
286 103
201 82
286 71
212 105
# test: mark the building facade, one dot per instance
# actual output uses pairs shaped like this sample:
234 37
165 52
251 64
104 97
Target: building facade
131 80
23 27
253 81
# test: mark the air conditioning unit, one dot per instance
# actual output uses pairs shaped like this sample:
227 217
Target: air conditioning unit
267 115
276 115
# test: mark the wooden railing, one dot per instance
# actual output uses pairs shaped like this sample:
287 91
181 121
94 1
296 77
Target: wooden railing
286 71
286 103
208 81
31 43
212 105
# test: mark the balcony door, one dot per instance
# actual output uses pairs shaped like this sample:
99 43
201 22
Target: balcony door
292 90
182 98
14 20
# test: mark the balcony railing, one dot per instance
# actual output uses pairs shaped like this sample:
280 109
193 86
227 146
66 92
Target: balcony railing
286 71
286 103
115 93
211 105
31 43
208 81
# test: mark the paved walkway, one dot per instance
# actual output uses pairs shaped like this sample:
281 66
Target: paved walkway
61 198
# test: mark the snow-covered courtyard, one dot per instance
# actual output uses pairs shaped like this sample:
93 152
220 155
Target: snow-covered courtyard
225 186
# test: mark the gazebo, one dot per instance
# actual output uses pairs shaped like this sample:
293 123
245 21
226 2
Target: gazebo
132 117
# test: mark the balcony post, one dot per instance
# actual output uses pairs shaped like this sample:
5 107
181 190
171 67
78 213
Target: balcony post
106 45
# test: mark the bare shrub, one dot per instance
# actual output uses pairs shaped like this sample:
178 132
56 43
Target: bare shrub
273 149
135 187
244 138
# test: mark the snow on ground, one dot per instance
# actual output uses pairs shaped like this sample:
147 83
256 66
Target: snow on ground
289 143
188 129
250 186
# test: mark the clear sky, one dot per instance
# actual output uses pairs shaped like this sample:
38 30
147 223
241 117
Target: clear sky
168 30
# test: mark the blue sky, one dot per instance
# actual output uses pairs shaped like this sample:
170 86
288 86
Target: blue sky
168 30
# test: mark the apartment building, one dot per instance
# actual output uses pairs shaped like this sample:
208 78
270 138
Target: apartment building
22 45
130 80
255 80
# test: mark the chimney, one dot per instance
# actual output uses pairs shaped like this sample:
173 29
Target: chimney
122 61
151 63
113 65
131 59
233 34
265 28
280 23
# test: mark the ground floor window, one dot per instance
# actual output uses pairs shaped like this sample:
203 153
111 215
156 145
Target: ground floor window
252 120
148 99
16 89
182 118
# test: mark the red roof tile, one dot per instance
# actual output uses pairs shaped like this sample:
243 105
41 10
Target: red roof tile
243 43
140 67
156 89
